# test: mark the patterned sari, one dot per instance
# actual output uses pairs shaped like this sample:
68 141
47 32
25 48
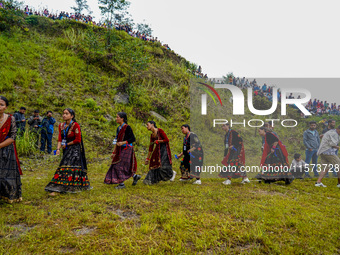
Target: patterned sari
10 171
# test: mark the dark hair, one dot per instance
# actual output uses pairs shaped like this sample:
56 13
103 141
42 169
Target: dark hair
226 124
36 111
4 99
265 129
331 120
153 123
297 155
72 113
123 116
49 112
186 126
22 108
312 122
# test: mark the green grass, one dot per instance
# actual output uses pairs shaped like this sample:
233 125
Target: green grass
176 218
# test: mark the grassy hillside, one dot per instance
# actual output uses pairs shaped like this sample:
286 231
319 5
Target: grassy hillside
50 65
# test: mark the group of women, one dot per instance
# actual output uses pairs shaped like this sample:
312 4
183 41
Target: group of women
71 175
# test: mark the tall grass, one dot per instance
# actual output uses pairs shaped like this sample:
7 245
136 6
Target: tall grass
26 143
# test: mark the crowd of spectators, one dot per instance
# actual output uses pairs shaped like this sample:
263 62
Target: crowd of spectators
88 19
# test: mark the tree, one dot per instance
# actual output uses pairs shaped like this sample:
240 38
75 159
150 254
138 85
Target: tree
81 5
112 8
144 28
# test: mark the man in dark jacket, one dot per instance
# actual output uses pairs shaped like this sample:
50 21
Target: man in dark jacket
47 130
34 122
20 119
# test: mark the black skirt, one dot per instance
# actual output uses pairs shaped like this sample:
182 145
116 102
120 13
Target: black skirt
10 183
71 175
163 173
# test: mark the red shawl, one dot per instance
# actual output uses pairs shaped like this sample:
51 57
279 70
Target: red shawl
241 156
155 160
4 131
118 149
267 149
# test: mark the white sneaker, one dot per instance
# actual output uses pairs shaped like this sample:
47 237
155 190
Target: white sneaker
197 182
338 185
227 182
245 180
320 185
173 176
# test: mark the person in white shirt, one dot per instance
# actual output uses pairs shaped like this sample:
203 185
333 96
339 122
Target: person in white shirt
298 166
327 150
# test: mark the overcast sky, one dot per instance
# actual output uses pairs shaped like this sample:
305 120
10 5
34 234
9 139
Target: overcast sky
262 38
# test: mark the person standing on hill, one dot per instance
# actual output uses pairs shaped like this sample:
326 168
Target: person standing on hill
10 171
35 122
20 120
71 175
47 130
124 163
311 140
159 156
234 156
192 162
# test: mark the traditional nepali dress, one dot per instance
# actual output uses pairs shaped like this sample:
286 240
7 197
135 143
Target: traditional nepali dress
71 175
10 171
160 168
233 157
124 163
276 159
191 163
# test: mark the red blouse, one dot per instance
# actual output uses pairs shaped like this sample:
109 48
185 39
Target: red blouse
73 134
161 136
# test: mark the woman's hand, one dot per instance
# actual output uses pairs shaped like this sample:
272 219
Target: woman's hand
63 146
180 155
112 156
120 143
57 152
272 150
147 161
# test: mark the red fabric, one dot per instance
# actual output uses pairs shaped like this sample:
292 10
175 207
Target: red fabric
241 156
74 133
4 131
155 161
267 148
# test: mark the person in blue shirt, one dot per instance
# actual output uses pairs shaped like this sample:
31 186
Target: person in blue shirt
47 129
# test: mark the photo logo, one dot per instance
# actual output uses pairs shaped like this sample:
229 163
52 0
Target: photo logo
238 100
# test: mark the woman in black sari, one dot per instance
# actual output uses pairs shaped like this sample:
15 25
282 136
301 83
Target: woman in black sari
160 164
193 156
274 162
234 156
71 175
124 163
10 171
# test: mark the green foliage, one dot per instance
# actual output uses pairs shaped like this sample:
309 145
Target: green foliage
25 143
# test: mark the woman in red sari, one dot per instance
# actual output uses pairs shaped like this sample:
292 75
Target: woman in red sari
71 175
274 162
234 156
160 164
124 163
10 171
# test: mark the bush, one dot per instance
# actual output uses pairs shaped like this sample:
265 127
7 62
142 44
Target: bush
26 143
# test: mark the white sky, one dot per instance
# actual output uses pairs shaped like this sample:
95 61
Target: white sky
262 38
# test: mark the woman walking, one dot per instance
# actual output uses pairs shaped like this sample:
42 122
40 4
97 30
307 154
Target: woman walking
124 163
234 156
274 162
160 164
10 171
193 156
71 175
